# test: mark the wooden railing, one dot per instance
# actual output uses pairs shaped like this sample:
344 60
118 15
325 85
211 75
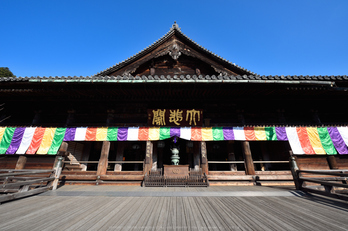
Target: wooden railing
15 184
109 162
225 162
254 162
156 179
332 183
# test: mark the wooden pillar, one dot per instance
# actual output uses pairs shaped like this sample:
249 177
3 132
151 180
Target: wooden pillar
63 149
248 160
332 162
62 152
154 157
231 156
196 155
204 165
57 171
294 168
22 160
160 158
119 155
148 157
103 161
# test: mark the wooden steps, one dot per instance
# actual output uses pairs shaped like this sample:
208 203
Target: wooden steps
230 183
104 183
265 178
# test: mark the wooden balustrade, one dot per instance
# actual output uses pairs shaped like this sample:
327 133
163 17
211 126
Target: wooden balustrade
22 183
332 183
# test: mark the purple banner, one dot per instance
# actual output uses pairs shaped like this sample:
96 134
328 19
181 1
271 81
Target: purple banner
281 133
69 134
228 133
174 132
122 134
16 140
337 140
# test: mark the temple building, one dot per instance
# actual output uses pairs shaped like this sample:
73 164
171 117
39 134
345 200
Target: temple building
226 122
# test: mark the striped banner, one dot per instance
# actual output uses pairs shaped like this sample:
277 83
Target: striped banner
302 140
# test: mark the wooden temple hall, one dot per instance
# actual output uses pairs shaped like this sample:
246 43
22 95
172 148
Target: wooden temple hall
174 114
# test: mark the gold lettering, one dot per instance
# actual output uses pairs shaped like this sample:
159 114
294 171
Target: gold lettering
159 117
175 116
192 114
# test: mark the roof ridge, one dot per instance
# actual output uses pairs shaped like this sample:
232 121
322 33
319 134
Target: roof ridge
182 77
175 28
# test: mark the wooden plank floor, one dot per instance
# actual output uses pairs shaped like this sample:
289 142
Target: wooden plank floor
136 208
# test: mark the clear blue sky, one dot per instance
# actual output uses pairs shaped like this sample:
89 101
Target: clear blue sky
83 37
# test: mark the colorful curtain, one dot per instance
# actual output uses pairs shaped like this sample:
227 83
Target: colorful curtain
302 140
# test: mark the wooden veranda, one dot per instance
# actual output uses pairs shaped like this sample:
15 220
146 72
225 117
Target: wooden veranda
138 208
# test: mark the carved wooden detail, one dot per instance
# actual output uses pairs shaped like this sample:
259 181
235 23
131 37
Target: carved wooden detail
174 52
174 57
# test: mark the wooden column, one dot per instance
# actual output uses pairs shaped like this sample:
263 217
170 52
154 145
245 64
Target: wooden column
63 149
154 157
231 156
119 155
294 168
57 171
62 152
103 161
332 162
22 160
196 154
248 160
204 165
160 158
148 157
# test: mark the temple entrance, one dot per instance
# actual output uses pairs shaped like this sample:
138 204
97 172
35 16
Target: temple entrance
186 172
162 152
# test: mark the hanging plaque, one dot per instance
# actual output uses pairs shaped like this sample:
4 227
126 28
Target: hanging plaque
175 117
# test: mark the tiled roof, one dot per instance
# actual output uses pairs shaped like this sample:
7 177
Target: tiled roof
174 29
186 78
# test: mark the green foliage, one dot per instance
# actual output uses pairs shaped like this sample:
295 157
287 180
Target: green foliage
5 72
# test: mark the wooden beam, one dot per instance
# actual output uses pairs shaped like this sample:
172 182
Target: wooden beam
22 160
103 161
23 172
27 182
204 153
248 160
78 177
18 195
241 177
122 177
